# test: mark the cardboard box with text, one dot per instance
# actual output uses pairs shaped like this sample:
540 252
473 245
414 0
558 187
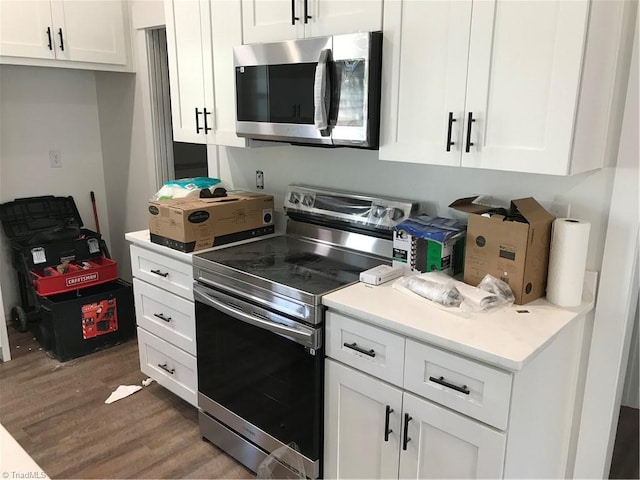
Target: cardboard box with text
190 224
512 247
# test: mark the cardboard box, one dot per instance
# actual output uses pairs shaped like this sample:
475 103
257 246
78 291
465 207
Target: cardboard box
514 251
189 224
424 243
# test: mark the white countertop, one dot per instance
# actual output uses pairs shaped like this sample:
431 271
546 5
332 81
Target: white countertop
15 462
506 337
143 238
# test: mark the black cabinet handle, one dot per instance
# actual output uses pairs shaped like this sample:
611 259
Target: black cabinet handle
49 37
162 274
449 142
354 346
206 127
198 127
387 431
162 317
444 383
293 12
167 369
61 39
406 439
306 11
470 122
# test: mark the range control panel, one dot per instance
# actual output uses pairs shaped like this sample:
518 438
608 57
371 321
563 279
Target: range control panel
371 211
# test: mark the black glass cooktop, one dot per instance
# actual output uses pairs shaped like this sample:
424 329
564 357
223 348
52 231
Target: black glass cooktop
301 264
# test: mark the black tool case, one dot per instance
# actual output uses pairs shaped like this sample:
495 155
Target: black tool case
45 232
77 323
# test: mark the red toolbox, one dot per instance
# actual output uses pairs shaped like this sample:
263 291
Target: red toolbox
74 275
71 296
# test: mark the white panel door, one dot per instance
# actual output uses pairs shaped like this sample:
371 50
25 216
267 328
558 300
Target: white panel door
330 17
426 46
89 31
525 60
185 38
355 417
26 29
271 20
443 444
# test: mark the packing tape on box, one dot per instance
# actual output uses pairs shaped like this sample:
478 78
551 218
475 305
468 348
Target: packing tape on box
567 261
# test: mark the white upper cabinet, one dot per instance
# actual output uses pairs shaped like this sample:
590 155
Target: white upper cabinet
200 39
500 84
63 30
187 33
278 20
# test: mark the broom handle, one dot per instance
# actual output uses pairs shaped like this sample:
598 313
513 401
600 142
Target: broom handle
95 211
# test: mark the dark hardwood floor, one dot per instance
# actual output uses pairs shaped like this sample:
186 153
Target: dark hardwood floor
56 411
625 462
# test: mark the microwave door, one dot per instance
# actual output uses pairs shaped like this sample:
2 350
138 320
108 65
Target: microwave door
275 87
357 70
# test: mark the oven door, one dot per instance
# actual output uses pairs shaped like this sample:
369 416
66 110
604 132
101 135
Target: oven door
260 374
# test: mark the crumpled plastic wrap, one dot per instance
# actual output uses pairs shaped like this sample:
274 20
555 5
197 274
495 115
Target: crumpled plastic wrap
438 287
443 293
282 463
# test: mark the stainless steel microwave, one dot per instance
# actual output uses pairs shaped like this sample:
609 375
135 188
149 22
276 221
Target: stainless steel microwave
317 91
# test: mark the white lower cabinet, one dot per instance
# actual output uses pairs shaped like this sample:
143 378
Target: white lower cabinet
165 314
376 430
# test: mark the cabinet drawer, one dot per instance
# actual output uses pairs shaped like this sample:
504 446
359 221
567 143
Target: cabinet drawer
168 365
161 271
365 347
168 316
477 390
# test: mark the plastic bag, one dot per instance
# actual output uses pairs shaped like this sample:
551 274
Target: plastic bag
499 288
284 462
444 293
184 187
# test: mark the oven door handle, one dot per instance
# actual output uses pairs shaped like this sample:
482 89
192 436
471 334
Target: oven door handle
306 337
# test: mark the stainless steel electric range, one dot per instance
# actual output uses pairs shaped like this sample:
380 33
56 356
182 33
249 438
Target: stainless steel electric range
260 322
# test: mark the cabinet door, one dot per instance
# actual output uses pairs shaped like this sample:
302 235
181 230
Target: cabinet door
424 78
89 31
26 29
355 415
271 20
525 61
444 444
329 17
226 32
185 40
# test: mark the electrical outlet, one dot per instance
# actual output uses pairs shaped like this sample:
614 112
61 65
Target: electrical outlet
55 159
259 179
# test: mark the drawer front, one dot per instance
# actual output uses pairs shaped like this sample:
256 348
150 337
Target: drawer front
168 316
365 347
477 390
169 366
161 271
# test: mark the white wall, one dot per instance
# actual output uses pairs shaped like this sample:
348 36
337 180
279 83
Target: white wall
44 109
360 171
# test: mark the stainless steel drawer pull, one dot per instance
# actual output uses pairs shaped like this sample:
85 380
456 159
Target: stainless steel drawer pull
444 383
167 369
354 346
162 317
162 274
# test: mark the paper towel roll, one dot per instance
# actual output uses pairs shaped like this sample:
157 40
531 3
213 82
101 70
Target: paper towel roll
567 261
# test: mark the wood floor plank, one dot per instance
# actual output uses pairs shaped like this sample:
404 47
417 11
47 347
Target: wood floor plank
56 411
